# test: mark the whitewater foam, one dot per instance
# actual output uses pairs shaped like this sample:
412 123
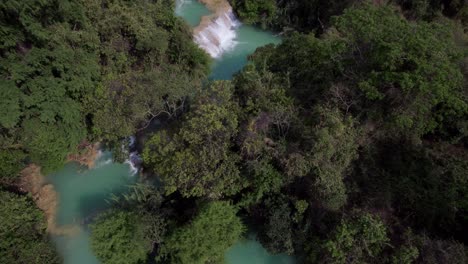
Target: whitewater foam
217 35
134 161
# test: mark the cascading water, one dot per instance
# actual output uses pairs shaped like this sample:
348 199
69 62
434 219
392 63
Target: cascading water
217 35
134 159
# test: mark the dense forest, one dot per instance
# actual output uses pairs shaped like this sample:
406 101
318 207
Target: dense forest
346 143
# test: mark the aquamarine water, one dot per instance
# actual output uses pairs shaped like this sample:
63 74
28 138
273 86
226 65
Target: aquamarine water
76 249
82 193
248 40
191 11
251 251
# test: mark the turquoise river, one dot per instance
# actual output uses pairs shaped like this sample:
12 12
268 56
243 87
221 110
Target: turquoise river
85 192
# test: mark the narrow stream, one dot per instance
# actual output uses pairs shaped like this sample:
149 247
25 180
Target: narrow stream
82 192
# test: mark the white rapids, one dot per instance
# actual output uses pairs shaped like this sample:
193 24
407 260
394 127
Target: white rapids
134 159
219 34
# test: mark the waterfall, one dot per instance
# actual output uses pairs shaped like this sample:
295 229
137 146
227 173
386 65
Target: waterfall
216 34
102 159
134 159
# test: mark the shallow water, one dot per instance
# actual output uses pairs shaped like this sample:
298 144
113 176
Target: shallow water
248 40
82 193
191 11
251 251
76 250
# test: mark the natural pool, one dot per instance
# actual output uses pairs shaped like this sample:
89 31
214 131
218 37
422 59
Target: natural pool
83 193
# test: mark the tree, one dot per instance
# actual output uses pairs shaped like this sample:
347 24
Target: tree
264 179
72 69
206 238
135 99
266 108
125 237
434 251
49 65
405 79
197 159
300 15
141 79
23 232
11 163
359 239
256 12
333 149
277 235
426 184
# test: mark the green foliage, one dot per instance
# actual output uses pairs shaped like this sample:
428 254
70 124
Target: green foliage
11 163
142 79
49 66
301 15
429 9
135 99
86 68
296 165
301 206
264 180
125 237
255 12
206 237
265 105
24 239
277 234
357 240
377 65
196 160
405 255
334 148
427 185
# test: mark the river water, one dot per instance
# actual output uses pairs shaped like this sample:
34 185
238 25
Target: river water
82 192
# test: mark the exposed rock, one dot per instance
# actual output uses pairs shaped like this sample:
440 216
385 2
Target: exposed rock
87 154
46 199
217 6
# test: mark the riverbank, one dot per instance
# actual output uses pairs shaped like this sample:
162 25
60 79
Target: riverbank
45 197
217 6
87 154
44 194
